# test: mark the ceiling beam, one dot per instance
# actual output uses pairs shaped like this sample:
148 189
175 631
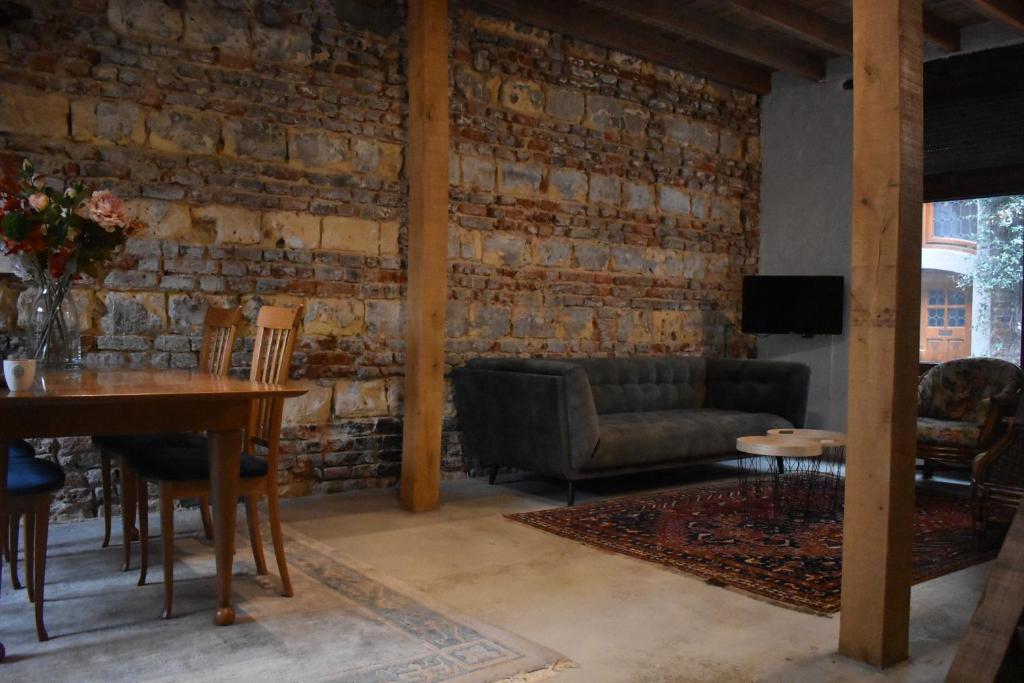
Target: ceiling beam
573 18
798 21
941 33
668 16
1009 12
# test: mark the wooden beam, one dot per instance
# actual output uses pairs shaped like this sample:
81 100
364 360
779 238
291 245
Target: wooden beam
983 649
426 291
1010 12
885 293
574 18
670 17
800 22
941 33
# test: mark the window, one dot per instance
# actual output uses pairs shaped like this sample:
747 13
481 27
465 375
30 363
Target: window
955 220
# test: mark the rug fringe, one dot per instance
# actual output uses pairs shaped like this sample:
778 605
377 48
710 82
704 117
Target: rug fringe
542 674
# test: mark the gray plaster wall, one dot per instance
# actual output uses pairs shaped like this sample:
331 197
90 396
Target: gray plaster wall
806 186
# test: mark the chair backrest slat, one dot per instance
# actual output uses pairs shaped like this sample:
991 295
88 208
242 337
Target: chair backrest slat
276 329
219 329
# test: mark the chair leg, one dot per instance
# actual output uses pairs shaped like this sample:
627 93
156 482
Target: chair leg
128 504
494 475
167 533
12 548
927 470
42 515
572 495
30 550
274 511
143 496
252 518
107 492
204 512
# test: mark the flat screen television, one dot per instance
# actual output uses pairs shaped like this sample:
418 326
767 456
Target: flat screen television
793 304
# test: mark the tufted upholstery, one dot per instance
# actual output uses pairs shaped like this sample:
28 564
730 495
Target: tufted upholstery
759 386
625 385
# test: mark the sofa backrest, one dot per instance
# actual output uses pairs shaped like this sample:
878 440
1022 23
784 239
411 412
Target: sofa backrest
645 384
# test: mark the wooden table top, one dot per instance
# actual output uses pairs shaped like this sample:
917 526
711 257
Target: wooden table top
779 446
73 386
828 438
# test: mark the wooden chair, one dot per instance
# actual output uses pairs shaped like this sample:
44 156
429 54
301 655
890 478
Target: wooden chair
30 485
219 329
183 471
997 475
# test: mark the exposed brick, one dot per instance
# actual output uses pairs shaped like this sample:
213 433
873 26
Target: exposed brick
229 224
354 235
101 121
28 112
145 19
256 139
291 229
180 130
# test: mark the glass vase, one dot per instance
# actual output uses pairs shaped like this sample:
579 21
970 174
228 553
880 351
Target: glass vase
55 336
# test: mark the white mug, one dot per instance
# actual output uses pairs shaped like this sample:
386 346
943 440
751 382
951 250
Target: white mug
20 374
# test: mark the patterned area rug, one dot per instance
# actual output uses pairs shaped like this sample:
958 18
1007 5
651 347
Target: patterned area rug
344 625
746 542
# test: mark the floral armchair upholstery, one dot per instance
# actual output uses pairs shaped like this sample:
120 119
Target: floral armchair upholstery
960 407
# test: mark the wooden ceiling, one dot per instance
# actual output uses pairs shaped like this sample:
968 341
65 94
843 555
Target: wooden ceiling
739 42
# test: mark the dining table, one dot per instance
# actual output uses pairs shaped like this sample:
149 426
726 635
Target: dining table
109 402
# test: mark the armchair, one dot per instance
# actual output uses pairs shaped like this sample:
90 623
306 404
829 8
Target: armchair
961 405
998 474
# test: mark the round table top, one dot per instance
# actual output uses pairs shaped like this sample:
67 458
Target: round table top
827 438
779 446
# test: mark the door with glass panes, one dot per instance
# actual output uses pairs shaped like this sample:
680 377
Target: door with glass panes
945 318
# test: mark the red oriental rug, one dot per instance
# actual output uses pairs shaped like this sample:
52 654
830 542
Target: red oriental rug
742 542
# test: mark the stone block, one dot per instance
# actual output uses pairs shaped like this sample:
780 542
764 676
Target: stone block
384 318
675 327
673 200
522 97
478 173
605 189
635 327
603 113
567 184
575 322
730 144
725 211
167 221
638 197
389 238
321 149
33 112
186 312
565 104
182 130
142 19
104 122
471 84
206 27
456 319
553 253
229 224
291 230
517 178
505 249
355 235
625 259
360 398
312 408
635 118
130 313
590 255
489 321
255 138
291 44
338 317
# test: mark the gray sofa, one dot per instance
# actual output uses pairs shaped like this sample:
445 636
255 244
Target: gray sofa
587 418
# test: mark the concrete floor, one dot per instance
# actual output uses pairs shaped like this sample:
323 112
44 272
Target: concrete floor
617 618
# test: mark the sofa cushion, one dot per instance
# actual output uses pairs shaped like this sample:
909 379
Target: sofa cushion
645 384
637 439
947 432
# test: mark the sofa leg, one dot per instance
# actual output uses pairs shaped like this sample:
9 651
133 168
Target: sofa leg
780 463
572 494
927 471
494 475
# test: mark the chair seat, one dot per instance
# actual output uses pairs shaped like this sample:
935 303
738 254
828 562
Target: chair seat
952 433
133 443
182 463
21 449
29 476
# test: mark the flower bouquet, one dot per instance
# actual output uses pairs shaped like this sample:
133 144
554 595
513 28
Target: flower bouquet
56 236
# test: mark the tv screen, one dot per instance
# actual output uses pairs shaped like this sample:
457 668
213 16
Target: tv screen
793 304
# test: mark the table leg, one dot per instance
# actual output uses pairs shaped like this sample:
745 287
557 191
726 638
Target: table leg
4 449
225 461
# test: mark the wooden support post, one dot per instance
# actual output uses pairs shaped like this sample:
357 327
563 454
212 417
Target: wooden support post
427 173
884 302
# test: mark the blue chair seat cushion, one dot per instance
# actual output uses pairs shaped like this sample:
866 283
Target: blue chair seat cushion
135 443
183 463
21 449
29 476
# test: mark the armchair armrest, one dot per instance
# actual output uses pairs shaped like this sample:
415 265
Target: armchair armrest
1001 448
999 408
537 415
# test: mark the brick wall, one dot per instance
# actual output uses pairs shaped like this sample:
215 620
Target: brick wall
599 204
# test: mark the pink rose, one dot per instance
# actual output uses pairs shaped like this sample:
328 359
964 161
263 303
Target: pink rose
107 209
39 201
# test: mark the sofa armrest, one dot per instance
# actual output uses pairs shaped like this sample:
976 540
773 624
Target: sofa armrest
536 415
759 386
